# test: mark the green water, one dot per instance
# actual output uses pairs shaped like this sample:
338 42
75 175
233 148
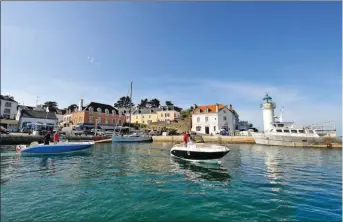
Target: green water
141 182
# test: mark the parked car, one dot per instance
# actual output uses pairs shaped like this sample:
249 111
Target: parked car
26 130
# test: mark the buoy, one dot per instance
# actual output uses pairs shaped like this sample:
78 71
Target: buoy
17 148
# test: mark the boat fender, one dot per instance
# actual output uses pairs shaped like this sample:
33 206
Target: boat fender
188 152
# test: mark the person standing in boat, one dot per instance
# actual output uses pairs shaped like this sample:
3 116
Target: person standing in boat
46 138
56 137
187 138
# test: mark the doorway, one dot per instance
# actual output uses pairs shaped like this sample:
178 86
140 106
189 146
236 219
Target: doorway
207 130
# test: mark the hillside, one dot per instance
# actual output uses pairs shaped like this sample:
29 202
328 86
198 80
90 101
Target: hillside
180 126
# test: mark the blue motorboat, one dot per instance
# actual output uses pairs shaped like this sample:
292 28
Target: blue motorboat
52 148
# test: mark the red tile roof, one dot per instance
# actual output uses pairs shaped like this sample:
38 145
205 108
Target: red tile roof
211 108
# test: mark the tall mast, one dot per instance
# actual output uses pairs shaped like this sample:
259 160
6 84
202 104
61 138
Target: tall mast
130 104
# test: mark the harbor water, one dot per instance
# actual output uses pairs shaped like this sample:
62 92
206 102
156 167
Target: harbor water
141 182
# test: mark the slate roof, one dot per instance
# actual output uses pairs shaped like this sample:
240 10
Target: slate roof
7 98
124 111
25 107
102 106
146 111
38 114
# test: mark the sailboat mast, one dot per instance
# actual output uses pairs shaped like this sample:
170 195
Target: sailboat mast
130 104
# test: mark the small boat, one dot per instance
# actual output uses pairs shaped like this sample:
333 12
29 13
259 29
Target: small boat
134 137
199 152
52 148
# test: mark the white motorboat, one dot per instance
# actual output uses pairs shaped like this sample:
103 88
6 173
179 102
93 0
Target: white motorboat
199 152
280 133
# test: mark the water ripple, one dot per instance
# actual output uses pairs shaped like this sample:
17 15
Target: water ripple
141 182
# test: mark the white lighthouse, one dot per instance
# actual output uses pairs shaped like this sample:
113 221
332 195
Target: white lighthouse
268 112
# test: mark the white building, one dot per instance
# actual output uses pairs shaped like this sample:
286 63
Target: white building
8 107
209 119
26 116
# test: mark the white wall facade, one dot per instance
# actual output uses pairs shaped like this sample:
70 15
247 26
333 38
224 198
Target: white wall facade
213 121
226 119
36 120
59 117
8 109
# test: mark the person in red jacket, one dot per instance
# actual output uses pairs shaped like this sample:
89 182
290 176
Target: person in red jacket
186 138
56 137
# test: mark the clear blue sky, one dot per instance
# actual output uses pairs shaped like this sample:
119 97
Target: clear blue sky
186 52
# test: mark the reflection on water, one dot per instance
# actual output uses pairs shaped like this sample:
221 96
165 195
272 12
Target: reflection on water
200 171
254 183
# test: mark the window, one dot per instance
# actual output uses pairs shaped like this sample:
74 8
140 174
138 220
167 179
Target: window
143 121
142 116
113 121
113 112
99 110
198 128
149 116
149 121
224 118
198 119
107 111
286 131
119 122
136 117
294 131
278 130
99 119
91 119
106 121
80 119
310 131
301 131
8 104
280 125
7 111
90 110
206 119
161 114
214 128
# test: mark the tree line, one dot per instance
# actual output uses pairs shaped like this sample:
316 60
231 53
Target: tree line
125 102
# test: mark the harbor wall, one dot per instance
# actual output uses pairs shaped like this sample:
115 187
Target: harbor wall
27 139
208 139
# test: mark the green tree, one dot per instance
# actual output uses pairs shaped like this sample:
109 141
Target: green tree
154 103
72 107
169 103
143 103
124 102
51 104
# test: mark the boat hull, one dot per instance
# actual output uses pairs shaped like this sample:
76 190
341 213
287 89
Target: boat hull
200 154
281 140
132 139
57 148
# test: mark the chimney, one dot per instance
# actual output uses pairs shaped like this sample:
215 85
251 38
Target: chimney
80 104
230 108
217 107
